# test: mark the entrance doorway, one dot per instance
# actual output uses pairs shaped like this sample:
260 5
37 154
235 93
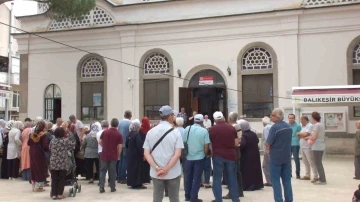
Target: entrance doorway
52 103
206 94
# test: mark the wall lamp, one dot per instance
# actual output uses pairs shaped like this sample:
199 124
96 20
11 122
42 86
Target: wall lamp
229 71
179 73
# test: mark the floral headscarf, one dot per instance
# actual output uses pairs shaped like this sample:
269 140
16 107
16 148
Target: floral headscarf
39 131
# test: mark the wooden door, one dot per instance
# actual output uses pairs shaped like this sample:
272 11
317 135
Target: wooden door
185 95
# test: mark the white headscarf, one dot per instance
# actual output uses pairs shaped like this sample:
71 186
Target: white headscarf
135 125
95 128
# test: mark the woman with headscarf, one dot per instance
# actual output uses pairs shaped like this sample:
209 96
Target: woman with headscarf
5 139
38 148
49 136
25 151
13 150
135 157
250 159
91 155
145 127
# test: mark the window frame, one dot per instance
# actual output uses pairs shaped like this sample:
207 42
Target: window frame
81 80
351 66
156 92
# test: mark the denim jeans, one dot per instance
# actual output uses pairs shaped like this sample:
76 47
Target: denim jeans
221 164
207 170
194 170
121 171
282 171
295 153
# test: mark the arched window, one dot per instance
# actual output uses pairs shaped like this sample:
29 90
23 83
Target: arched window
156 63
355 73
257 58
52 102
155 88
257 82
91 87
356 54
91 68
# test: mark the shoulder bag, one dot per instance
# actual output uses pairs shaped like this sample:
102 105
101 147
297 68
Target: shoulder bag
162 137
185 151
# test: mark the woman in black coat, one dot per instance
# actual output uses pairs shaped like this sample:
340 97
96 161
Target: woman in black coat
135 157
250 159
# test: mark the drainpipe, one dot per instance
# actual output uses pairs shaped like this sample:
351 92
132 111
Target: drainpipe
7 106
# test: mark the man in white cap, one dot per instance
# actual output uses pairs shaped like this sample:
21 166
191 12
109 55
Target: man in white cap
197 139
224 140
162 150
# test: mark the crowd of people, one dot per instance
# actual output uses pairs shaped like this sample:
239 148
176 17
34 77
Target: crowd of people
134 153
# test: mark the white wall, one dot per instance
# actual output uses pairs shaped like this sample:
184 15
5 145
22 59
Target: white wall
309 44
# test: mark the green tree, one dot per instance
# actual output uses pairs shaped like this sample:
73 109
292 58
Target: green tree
61 9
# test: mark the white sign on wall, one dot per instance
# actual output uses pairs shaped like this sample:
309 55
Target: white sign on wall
311 99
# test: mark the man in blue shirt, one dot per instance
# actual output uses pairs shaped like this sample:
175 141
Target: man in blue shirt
279 147
123 128
197 138
295 143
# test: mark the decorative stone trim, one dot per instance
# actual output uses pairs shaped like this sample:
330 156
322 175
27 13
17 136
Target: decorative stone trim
96 17
318 3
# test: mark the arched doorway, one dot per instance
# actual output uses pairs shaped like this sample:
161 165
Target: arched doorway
52 103
205 94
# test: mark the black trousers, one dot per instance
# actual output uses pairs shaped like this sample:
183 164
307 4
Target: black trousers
13 167
57 182
89 165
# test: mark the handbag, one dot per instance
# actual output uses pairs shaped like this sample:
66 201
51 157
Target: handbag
162 137
185 151
81 153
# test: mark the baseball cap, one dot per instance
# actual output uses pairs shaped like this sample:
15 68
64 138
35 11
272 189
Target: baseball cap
199 118
218 115
166 110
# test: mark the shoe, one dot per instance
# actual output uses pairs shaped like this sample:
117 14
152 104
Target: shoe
102 190
298 177
355 178
199 200
113 190
319 183
123 182
267 185
207 186
141 187
91 182
305 178
202 185
314 180
226 197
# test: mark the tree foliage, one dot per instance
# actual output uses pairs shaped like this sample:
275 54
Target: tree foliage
61 9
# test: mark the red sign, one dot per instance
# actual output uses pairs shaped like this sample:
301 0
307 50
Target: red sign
206 80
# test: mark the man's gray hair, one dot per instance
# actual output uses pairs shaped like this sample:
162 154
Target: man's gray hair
179 121
38 119
105 124
233 116
279 113
266 120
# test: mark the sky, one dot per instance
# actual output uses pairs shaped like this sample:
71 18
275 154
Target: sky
23 7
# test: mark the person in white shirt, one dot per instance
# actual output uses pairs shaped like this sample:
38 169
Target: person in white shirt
306 153
207 122
104 126
59 121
